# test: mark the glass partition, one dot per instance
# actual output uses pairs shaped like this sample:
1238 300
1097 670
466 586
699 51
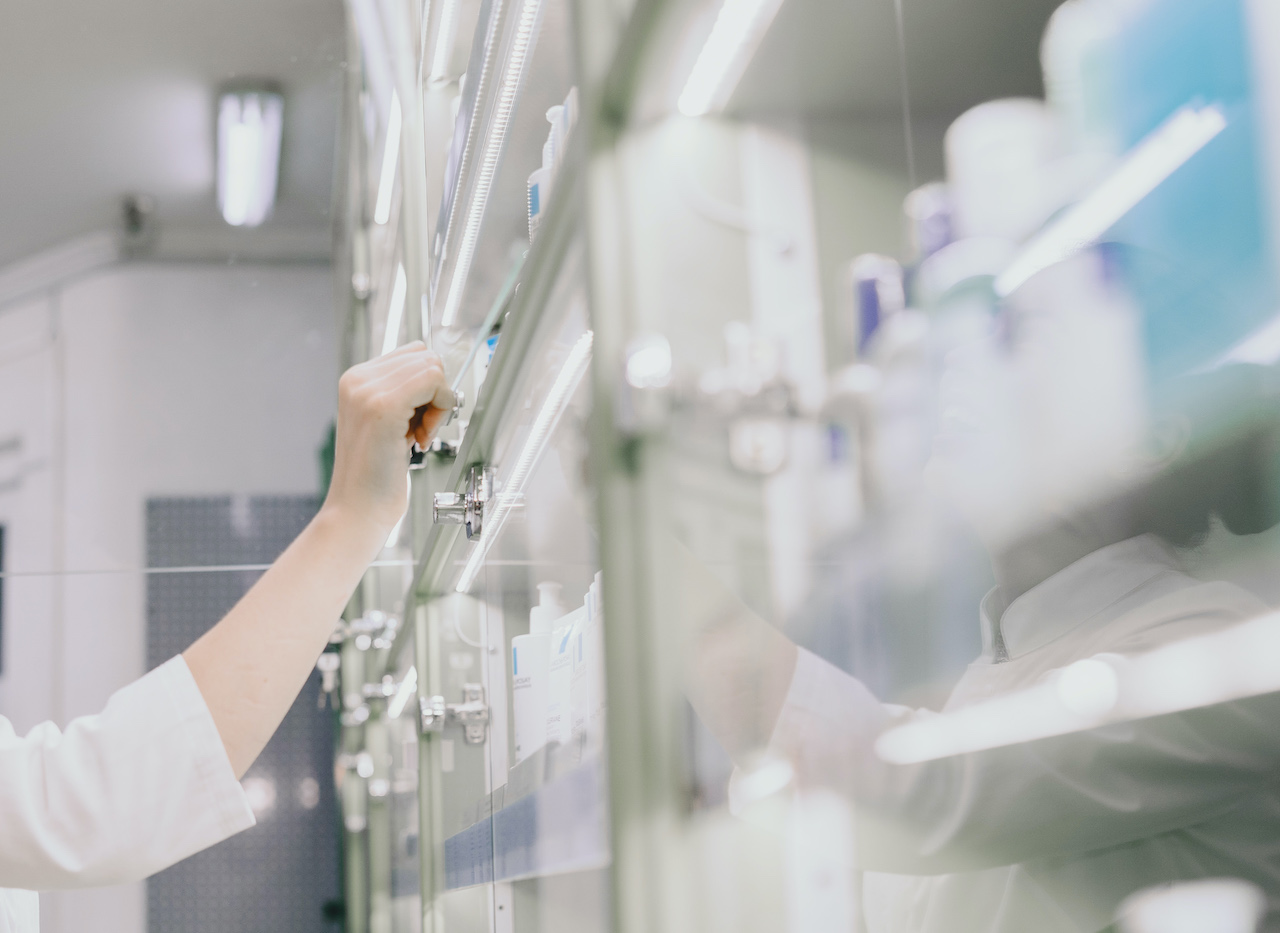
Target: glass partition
939 500
858 513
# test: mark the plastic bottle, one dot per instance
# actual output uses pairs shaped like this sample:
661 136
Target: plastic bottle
530 657
586 690
539 191
1001 161
878 293
561 118
559 721
928 211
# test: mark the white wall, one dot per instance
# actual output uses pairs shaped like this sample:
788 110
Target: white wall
137 381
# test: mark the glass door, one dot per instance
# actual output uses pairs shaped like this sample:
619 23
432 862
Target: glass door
935 422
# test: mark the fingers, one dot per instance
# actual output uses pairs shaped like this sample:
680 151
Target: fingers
423 424
421 385
413 346
408 383
413 380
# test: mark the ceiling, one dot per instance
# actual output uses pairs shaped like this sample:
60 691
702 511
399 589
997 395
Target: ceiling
847 56
104 98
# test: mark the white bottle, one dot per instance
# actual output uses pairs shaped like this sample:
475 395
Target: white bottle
530 655
587 681
539 191
560 677
1003 168
552 150
580 698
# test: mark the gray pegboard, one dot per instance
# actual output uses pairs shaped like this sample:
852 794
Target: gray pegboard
278 876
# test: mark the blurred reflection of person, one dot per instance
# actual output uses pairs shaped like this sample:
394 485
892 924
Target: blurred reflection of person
155 776
1050 835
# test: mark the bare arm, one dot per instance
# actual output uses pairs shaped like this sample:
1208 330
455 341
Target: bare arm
252 664
740 667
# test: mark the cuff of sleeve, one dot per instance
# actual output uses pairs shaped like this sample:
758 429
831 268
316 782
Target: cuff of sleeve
828 721
225 799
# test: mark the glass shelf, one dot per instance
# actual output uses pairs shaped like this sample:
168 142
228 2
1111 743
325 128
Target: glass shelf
519 69
555 828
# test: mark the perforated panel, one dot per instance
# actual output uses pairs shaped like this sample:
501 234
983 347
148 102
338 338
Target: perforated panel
278 876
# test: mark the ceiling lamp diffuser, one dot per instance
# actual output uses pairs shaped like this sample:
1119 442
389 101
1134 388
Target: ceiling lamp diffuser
249 128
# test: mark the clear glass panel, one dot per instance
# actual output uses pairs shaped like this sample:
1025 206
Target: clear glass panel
523 623
405 820
926 452
954 482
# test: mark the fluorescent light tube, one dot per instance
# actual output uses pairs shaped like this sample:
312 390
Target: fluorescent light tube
521 45
249 129
444 40
1228 665
1079 697
390 157
575 367
1153 160
395 311
407 688
737 32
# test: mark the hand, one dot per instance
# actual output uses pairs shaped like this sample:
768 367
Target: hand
384 405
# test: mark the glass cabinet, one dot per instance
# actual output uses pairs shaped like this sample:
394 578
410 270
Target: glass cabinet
857 513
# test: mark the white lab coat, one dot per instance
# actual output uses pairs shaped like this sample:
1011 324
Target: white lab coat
114 798
1051 835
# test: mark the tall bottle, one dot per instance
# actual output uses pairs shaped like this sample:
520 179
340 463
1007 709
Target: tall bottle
559 721
530 682
586 686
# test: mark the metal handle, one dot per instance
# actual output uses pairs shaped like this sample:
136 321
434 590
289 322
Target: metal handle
465 508
449 508
472 714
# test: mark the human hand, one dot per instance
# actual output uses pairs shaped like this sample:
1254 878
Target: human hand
384 404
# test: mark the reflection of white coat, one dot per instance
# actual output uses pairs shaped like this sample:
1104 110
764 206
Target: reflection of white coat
1050 836
114 798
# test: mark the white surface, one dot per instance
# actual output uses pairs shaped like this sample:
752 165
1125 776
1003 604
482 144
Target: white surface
1052 836
786 311
1215 905
162 380
100 100
116 797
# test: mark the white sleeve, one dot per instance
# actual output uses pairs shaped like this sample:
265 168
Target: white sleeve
1052 797
120 795
828 722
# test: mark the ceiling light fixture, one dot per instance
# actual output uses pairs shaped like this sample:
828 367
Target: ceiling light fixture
736 35
390 158
250 124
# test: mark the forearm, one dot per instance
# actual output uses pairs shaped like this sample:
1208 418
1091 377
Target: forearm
740 666
252 664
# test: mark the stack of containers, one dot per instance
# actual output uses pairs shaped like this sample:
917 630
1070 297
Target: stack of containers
557 673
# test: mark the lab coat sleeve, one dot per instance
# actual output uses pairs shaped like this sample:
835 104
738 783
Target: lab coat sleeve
120 795
1051 798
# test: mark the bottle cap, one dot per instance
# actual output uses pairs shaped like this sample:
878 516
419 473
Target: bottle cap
542 617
